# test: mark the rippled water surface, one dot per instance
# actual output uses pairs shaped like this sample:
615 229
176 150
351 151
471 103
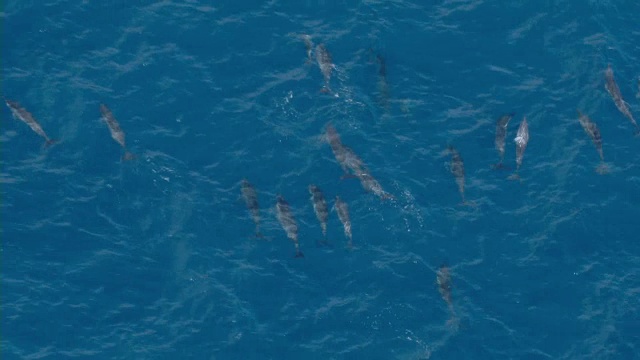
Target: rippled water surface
156 258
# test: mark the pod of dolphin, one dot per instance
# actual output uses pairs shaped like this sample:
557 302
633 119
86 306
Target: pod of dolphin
353 166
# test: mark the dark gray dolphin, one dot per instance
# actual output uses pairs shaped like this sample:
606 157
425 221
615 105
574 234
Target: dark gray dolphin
383 85
251 200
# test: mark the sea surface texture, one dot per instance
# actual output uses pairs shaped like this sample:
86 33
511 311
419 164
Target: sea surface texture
157 257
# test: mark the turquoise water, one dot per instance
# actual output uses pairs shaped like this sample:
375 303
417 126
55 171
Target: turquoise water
155 258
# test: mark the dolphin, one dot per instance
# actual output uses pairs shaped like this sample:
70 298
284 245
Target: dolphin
286 219
320 208
251 199
352 165
501 135
326 65
594 133
443 278
309 47
343 213
457 169
521 140
614 91
25 116
116 132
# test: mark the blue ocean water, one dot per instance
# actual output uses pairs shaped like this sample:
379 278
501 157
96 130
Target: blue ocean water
155 258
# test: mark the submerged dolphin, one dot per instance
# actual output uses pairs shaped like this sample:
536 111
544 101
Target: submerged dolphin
251 200
594 133
383 86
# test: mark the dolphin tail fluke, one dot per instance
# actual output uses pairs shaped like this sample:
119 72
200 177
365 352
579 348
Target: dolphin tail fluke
324 243
259 235
514 176
387 196
299 254
636 132
602 169
50 142
128 156
350 246
464 201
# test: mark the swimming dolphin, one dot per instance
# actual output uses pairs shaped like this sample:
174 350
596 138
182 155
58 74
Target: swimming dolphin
22 114
343 213
594 133
521 140
309 46
286 219
251 200
326 66
457 169
339 150
501 135
345 156
614 91
443 278
383 86
371 184
116 132
352 165
320 208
